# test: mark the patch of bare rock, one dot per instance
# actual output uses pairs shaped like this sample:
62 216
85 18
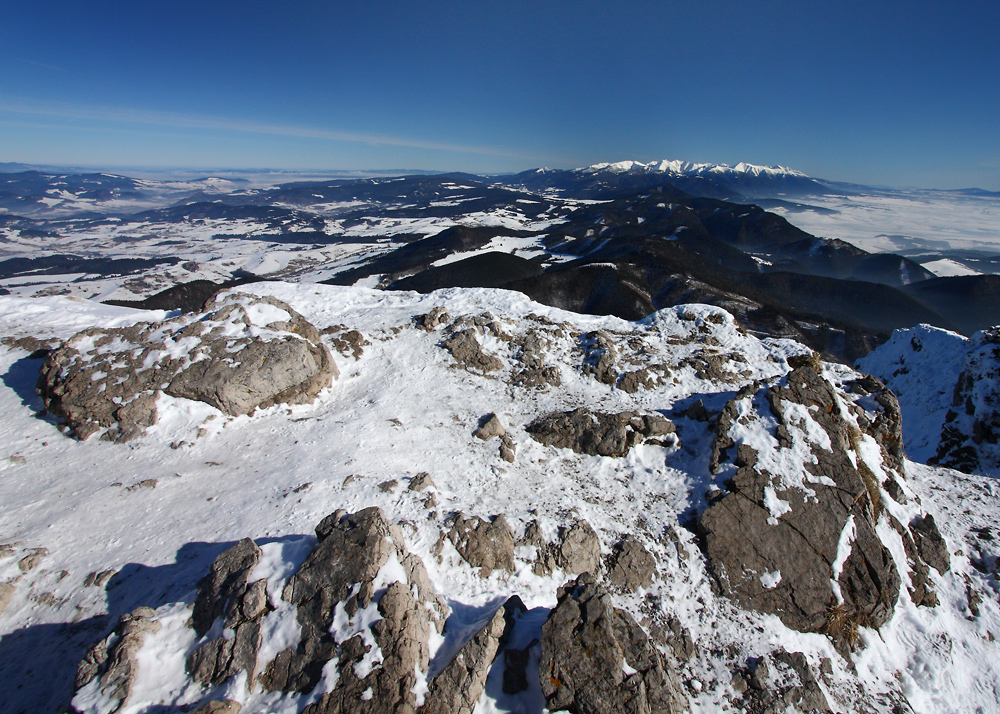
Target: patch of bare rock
597 660
244 352
600 433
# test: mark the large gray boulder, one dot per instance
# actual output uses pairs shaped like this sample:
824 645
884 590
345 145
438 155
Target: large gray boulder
242 353
632 566
597 660
599 433
807 552
577 549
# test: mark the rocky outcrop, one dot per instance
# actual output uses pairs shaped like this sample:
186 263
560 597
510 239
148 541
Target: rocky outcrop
970 435
429 322
931 545
577 549
353 577
781 681
532 369
216 707
949 389
600 357
458 687
244 352
226 593
469 354
107 672
794 534
597 660
364 612
487 545
920 589
599 433
348 342
632 381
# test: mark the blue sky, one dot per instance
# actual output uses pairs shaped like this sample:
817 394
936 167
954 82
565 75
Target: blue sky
894 93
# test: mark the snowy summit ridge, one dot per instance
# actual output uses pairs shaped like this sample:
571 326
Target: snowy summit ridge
687 168
424 533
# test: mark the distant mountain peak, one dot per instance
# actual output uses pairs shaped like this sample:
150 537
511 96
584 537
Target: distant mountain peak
687 168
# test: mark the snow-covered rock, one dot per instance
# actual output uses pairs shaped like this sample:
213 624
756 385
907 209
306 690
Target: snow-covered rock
949 391
796 533
242 353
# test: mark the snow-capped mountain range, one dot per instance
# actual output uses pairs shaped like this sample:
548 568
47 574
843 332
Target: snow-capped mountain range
687 168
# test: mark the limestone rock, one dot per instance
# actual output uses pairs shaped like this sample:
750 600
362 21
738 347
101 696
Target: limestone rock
668 631
216 707
487 545
577 549
6 593
600 357
340 576
597 660
533 370
783 681
465 348
931 544
970 435
632 381
773 548
921 589
114 666
227 593
598 433
632 565
30 561
697 411
244 352
438 315
508 448
489 426
458 687
421 482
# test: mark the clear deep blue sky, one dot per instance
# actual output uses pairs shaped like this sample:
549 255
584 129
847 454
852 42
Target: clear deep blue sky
894 93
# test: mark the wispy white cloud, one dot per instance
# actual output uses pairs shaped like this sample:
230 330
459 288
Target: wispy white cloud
40 64
124 115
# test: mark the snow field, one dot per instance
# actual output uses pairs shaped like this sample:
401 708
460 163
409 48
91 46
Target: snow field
401 409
